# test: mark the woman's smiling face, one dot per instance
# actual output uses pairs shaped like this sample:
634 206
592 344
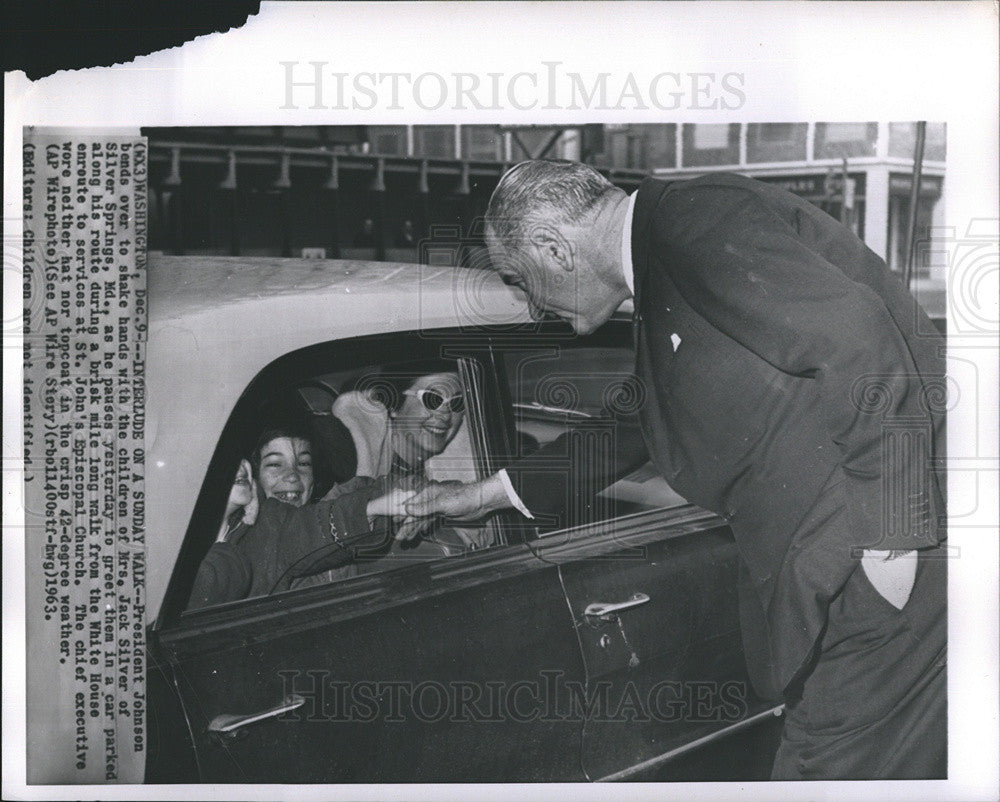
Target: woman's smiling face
286 470
426 432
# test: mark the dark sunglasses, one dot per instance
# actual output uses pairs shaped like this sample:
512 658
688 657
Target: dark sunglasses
432 399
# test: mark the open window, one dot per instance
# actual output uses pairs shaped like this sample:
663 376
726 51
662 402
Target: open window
389 412
575 408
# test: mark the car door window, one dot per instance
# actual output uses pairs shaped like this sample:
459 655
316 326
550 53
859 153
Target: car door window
311 443
586 391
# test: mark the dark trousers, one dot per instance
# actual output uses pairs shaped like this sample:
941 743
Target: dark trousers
875 704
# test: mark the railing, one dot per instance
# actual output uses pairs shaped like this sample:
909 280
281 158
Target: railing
219 176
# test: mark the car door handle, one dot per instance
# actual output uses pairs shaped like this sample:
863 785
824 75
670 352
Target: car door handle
228 723
601 609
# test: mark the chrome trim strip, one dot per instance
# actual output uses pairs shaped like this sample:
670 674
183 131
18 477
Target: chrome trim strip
680 750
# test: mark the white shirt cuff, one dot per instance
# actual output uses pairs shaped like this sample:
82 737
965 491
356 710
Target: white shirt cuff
514 498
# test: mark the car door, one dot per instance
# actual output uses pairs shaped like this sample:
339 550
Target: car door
655 609
651 582
437 670
433 673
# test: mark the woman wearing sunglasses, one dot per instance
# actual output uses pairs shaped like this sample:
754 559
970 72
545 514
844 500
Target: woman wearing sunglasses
397 423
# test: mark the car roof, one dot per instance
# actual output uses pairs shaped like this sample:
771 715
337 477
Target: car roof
182 286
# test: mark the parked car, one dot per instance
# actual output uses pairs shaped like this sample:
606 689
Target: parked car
599 644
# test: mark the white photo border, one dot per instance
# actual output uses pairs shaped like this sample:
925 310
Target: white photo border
798 61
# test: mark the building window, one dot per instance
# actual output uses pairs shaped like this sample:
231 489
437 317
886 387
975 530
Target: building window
845 140
482 143
388 140
619 151
530 143
903 139
661 145
709 144
777 142
434 141
642 147
926 248
301 135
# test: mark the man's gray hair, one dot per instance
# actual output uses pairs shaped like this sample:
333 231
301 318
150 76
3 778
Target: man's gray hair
563 190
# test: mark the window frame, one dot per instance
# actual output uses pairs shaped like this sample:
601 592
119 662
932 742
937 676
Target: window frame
617 332
286 371
825 148
762 148
471 133
423 141
726 155
520 547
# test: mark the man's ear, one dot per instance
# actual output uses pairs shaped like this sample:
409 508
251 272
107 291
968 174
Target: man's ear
553 246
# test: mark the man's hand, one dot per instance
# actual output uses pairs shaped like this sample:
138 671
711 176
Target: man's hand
415 511
459 501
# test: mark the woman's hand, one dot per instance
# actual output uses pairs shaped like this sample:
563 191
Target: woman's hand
392 504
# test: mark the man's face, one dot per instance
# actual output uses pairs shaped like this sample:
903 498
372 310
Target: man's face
286 470
553 274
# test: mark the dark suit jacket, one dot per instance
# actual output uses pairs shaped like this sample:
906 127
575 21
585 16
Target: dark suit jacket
784 363
551 482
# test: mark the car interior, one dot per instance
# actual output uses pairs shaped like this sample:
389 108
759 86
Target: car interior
554 391
352 413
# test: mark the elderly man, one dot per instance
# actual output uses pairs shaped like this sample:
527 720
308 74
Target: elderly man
793 388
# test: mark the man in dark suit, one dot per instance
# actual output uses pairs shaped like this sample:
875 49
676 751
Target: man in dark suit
795 388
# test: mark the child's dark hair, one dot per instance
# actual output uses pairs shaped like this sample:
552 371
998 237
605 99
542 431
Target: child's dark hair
270 434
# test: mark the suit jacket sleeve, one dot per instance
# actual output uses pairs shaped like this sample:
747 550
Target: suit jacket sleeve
789 299
549 480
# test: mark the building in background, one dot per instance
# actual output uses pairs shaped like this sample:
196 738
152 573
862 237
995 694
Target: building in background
285 191
859 172
311 190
